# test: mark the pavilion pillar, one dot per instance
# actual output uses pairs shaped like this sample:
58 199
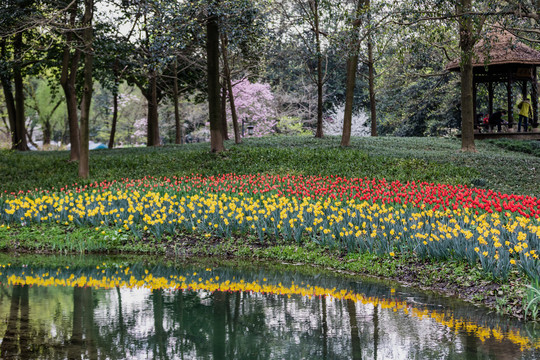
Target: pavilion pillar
474 102
534 98
490 97
510 100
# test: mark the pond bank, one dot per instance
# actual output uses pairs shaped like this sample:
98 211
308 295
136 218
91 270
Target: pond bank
450 278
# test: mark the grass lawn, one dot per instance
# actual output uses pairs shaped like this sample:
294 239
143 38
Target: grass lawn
424 159
499 166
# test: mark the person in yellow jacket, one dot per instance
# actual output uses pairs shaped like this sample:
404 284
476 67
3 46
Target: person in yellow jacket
525 113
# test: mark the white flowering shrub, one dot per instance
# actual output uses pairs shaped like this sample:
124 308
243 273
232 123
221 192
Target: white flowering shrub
333 122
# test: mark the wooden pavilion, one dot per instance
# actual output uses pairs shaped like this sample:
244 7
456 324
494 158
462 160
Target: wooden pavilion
502 58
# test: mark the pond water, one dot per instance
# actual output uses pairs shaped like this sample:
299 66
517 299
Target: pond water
117 308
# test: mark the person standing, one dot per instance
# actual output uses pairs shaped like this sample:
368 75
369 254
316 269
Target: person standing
525 113
496 119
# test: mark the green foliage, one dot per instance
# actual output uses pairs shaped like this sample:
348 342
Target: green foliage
415 99
522 146
291 125
533 300
276 155
404 159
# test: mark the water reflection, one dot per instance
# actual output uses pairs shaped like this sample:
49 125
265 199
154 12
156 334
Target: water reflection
117 310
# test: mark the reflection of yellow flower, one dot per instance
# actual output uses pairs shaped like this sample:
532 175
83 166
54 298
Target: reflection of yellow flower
213 284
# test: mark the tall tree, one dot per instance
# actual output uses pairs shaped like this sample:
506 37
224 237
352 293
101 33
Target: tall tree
20 126
87 39
146 55
306 17
15 49
114 122
68 79
179 133
46 105
229 87
314 7
165 57
466 44
212 54
470 17
371 73
352 66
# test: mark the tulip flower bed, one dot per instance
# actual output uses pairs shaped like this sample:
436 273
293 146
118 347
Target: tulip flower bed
437 221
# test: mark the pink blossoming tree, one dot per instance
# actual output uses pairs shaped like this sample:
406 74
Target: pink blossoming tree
255 106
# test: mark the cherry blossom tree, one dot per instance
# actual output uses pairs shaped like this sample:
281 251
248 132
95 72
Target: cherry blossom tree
255 106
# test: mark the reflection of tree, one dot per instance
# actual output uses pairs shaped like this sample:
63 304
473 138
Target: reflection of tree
375 331
83 331
75 343
324 321
184 324
220 311
89 325
121 326
9 347
15 343
159 339
233 323
24 323
355 338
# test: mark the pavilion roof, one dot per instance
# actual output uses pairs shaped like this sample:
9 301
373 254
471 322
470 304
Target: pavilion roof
499 47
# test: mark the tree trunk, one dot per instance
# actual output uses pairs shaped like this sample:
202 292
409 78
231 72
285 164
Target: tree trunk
352 65
227 70
68 79
10 100
466 43
88 87
47 127
20 126
65 133
71 102
115 106
47 133
212 52
29 135
371 72
114 120
315 9
10 105
224 108
179 136
153 116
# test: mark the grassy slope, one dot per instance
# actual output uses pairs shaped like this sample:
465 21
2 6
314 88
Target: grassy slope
426 159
